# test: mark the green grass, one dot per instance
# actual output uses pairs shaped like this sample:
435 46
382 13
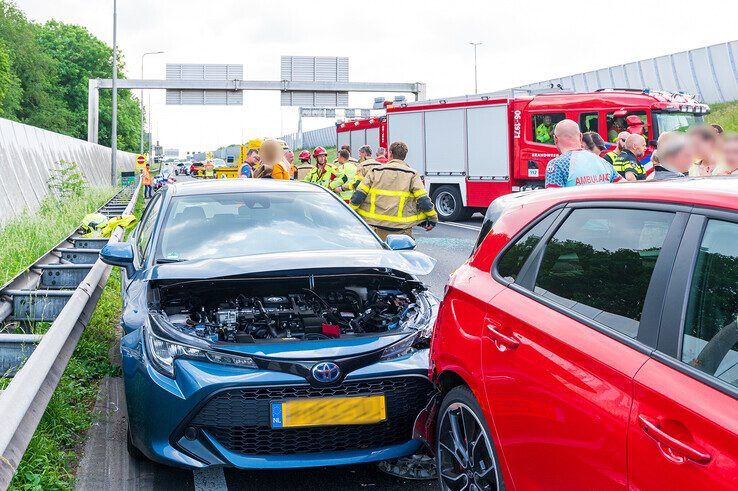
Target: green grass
52 456
51 460
25 238
724 114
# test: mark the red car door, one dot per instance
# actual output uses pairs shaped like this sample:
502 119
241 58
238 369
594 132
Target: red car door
560 351
684 423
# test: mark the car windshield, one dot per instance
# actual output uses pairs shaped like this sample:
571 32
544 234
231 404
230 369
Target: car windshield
240 224
676 121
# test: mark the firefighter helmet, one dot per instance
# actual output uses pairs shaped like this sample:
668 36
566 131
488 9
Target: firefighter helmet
633 120
304 155
319 151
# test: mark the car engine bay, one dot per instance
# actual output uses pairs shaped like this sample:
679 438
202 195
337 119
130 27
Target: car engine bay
289 309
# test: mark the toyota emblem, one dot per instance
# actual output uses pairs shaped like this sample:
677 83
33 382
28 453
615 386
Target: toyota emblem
326 372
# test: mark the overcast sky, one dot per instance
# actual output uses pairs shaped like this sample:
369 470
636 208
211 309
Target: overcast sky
386 41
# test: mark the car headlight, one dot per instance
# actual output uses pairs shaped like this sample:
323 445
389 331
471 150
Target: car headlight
423 316
400 348
163 352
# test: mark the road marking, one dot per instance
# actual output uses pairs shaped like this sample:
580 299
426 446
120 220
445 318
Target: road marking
461 225
210 479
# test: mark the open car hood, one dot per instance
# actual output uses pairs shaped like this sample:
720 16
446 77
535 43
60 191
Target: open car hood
295 263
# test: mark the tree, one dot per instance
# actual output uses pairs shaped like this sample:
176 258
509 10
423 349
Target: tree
80 56
44 71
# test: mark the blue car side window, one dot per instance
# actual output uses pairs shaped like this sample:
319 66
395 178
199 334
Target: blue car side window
147 227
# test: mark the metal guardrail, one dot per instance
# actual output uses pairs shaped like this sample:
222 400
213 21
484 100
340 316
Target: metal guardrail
23 402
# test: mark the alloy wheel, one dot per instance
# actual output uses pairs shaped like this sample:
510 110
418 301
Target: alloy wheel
465 456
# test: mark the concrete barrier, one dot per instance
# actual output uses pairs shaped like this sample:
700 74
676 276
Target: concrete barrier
28 155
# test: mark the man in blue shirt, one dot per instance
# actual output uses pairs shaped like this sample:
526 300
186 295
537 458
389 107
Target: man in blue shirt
575 166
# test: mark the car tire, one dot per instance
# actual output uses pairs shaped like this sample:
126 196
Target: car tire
465 462
133 451
449 206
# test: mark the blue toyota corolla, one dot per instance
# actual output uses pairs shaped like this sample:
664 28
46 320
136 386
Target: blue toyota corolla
266 326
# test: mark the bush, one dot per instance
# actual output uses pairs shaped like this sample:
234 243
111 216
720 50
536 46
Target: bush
66 181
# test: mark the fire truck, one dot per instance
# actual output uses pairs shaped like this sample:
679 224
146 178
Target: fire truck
472 149
360 132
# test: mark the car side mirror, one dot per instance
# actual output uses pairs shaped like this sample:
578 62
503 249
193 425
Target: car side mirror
400 242
119 254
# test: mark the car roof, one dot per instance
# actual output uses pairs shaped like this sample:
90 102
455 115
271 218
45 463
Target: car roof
219 186
712 192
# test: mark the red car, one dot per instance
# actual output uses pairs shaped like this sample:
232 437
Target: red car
590 342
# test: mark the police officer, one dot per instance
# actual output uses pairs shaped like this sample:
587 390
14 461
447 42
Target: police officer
397 199
302 169
627 164
323 173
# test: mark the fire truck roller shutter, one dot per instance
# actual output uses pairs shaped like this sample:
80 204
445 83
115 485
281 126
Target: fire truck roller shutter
444 142
488 142
372 139
343 138
358 140
408 127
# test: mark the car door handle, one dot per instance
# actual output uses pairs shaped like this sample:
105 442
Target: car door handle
502 339
652 429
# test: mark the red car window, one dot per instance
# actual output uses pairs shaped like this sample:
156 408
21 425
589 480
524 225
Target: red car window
710 341
599 264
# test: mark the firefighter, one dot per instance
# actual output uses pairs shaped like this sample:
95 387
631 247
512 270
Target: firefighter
323 173
345 181
381 155
366 162
348 149
303 168
627 164
397 199
544 131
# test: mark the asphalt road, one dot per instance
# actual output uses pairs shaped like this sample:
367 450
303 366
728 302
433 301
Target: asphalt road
106 464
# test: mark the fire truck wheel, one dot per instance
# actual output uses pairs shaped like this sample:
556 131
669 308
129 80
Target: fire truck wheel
448 204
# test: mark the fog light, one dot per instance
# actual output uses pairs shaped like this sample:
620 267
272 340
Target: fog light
190 433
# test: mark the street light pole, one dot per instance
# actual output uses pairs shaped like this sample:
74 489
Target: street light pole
476 90
114 125
141 151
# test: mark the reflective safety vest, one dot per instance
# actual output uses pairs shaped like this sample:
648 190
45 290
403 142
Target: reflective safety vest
346 180
627 162
92 222
324 177
392 197
543 133
610 156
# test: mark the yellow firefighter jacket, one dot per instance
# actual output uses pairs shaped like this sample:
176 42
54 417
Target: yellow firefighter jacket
392 197
303 169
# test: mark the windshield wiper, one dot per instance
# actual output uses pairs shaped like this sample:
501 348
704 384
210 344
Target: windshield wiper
165 260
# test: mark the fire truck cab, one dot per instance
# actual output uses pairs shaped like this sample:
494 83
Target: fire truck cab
472 149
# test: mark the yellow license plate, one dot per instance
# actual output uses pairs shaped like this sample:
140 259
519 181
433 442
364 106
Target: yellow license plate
329 411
